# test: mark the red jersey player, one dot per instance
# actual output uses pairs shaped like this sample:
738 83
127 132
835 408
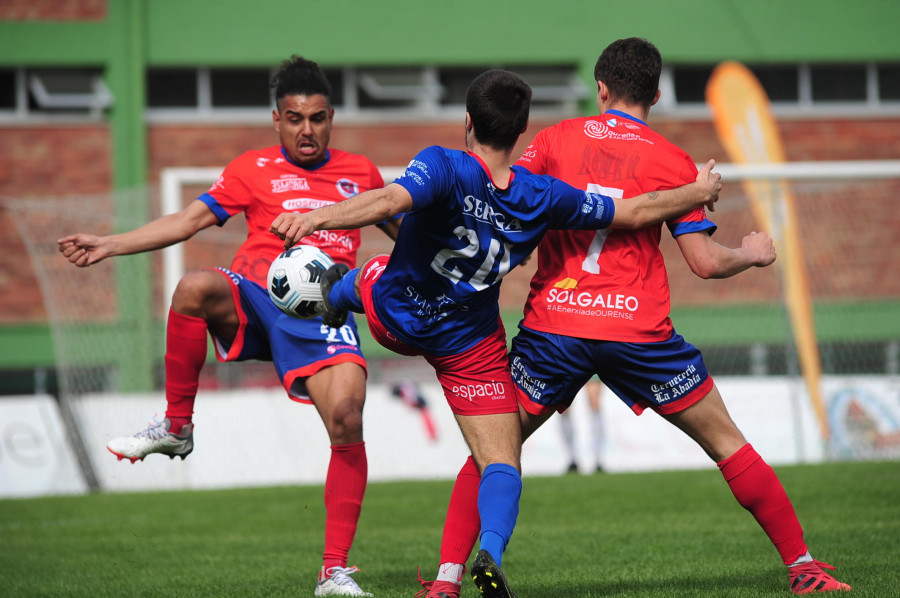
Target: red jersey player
316 363
599 304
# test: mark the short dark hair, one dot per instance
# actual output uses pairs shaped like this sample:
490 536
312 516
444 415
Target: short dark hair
299 76
630 68
498 102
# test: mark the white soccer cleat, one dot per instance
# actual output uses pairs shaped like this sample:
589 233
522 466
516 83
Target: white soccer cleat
155 439
336 581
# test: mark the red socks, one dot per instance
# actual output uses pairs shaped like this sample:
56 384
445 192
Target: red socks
345 486
757 489
185 355
463 523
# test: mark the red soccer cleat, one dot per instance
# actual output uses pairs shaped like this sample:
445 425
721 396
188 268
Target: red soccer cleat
809 577
437 589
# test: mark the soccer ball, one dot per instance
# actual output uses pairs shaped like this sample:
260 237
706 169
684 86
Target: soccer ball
294 281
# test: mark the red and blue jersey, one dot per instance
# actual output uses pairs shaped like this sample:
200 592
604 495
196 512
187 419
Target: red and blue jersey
440 289
607 284
264 183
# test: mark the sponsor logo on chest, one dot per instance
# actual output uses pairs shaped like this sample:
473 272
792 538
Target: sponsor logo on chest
289 182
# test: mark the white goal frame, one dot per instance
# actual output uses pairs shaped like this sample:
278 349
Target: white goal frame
173 180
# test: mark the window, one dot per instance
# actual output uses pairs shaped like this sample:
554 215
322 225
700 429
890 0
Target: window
171 88
782 83
690 83
842 83
793 88
397 88
889 82
400 92
53 93
240 88
7 89
455 82
67 90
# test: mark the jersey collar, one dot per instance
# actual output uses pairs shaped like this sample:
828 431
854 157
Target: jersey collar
314 166
624 115
487 171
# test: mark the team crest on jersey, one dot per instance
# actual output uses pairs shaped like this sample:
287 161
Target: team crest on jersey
347 188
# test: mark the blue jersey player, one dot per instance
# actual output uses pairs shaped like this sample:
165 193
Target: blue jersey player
471 218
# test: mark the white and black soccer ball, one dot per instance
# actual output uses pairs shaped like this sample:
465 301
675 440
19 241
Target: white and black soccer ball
294 281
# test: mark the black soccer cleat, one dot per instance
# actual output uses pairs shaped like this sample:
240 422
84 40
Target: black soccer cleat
489 578
331 316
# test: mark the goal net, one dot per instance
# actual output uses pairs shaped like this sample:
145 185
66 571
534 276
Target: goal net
107 321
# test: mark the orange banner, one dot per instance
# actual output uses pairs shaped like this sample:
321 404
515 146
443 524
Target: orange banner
747 129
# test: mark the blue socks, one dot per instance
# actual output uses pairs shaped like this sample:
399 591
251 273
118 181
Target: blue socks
498 506
343 293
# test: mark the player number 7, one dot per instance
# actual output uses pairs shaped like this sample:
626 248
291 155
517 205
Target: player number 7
591 263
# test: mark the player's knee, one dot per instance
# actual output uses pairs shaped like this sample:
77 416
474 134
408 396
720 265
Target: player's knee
346 426
195 291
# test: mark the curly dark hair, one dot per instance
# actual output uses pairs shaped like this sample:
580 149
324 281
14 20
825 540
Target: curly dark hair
630 68
299 76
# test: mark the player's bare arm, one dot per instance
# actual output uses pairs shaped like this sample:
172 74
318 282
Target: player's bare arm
658 206
370 207
708 259
84 249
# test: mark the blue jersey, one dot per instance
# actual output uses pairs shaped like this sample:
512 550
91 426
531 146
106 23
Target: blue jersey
440 289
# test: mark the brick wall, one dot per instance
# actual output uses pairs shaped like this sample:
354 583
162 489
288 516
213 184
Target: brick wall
38 161
52 10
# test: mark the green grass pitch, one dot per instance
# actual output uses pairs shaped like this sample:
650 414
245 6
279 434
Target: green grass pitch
673 534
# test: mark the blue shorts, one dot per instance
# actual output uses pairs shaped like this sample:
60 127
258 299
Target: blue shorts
298 348
550 369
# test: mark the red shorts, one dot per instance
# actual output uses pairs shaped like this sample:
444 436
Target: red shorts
475 382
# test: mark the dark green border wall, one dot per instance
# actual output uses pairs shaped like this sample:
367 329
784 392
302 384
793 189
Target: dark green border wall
468 31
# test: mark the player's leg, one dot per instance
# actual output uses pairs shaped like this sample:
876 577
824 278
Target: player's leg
567 431
203 301
755 486
462 523
324 366
495 442
338 393
479 390
598 434
341 289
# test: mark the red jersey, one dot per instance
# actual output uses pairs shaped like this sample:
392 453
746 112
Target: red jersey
264 183
607 284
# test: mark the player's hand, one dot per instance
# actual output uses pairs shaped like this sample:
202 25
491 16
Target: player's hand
762 246
711 183
291 227
83 250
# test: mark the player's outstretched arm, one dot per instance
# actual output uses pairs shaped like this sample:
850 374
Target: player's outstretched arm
708 259
658 206
372 207
84 249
